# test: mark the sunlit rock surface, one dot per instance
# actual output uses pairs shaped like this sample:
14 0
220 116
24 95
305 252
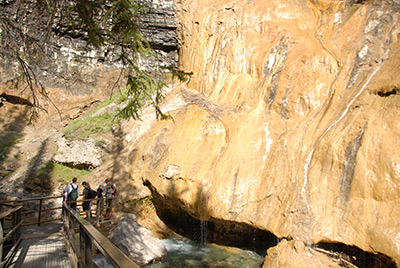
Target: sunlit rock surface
290 122
296 254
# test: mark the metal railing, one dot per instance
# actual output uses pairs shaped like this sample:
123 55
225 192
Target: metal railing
88 236
16 217
13 236
42 208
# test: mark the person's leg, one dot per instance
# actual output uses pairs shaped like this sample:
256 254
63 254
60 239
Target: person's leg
73 205
89 216
85 207
108 208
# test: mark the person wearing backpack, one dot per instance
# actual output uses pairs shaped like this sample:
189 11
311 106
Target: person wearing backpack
100 203
109 192
71 193
88 193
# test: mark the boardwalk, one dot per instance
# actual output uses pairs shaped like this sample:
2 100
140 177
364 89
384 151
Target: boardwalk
43 247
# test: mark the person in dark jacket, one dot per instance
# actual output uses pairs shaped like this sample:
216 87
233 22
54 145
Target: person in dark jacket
88 193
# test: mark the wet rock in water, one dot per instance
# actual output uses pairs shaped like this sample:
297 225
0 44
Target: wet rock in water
136 241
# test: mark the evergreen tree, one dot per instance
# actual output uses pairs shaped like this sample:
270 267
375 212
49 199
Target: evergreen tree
28 29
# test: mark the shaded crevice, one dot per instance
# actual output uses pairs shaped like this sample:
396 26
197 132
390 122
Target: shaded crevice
84 166
356 2
172 211
386 93
354 256
349 165
15 99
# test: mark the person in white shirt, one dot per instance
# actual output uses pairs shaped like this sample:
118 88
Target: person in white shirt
71 193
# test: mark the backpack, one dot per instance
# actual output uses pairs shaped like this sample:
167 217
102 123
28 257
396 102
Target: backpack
99 192
92 194
111 190
73 195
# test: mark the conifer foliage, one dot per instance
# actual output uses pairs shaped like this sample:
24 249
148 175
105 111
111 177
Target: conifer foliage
28 29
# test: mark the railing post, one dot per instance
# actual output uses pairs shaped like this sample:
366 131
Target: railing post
40 211
85 248
98 211
18 219
14 223
1 237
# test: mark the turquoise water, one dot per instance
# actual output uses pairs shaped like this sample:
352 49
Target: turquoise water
185 253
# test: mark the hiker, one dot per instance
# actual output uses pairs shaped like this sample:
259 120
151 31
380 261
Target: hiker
88 193
100 202
109 192
71 193
100 190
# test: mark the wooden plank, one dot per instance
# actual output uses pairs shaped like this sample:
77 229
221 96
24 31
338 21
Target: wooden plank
47 251
10 253
20 255
32 236
43 221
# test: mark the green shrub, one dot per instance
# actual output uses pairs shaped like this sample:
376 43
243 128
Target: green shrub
61 173
6 146
98 125
90 126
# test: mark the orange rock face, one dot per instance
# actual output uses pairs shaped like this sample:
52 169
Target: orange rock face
289 122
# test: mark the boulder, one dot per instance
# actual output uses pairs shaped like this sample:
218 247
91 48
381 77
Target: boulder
136 241
78 153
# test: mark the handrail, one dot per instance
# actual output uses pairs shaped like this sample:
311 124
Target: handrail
14 233
9 212
42 208
31 199
39 211
88 235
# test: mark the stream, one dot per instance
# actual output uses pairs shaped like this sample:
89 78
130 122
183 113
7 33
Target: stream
186 253
183 252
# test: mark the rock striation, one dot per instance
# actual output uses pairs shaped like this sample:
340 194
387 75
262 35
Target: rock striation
289 124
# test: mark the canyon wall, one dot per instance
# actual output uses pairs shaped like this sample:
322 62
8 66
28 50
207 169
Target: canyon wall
63 59
288 126
289 123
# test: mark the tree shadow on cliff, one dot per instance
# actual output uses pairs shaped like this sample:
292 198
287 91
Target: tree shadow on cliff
35 180
119 170
10 136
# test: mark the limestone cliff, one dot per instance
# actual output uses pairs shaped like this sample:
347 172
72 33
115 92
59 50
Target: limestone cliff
286 132
288 124
63 59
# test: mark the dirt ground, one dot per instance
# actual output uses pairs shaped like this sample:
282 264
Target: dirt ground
27 142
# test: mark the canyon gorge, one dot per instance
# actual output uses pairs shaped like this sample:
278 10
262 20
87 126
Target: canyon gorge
285 135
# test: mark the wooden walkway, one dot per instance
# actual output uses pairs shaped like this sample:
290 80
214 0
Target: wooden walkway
70 243
43 247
